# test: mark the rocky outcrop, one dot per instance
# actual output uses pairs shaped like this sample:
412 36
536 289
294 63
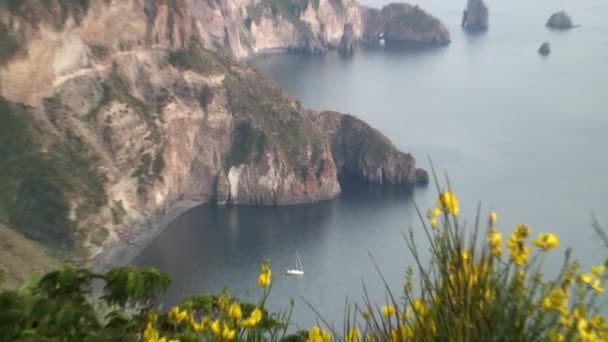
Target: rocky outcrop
348 41
476 16
560 21
363 153
122 113
545 49
403 23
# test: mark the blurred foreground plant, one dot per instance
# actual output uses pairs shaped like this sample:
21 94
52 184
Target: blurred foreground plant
470 290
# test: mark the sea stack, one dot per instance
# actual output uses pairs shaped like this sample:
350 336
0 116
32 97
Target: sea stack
476 16
560 21
348 41
545 49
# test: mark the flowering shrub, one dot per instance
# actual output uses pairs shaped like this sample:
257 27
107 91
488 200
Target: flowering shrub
474 287
470 291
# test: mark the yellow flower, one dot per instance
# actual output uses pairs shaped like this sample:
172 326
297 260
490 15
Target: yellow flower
519 253
420 307
407 333
433 213
448 202
556 336
317 334
546 241
521 257
557 300
198 327
592 281
434 223
522 231
598 270
216 328
579 313
265 278
492 218
466 256
587 334
176 315
388 310
228 334
224 301
495 242
235 311
353 335
254 319
150 334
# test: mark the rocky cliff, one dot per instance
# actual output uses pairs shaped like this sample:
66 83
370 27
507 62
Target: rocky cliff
113 111
363 153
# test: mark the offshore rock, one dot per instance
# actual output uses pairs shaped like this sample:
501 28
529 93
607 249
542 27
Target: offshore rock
348 41
476 16
560 21
545 49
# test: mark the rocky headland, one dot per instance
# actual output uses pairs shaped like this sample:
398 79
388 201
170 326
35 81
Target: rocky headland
114 113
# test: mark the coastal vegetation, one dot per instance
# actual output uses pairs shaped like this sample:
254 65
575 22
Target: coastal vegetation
476 285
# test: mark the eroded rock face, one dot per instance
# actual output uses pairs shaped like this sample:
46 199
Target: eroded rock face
560 21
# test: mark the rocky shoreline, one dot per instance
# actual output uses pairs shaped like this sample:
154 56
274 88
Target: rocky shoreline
124 251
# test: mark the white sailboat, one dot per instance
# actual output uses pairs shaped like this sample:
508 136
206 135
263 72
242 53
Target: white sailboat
299 270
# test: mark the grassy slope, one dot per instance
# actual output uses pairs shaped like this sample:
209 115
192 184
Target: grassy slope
20 256
40 174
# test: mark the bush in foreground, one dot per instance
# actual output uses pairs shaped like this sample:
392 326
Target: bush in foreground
475 287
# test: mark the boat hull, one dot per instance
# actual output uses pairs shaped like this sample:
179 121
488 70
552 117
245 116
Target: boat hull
295 272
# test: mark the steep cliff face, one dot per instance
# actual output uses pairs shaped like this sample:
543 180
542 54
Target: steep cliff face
113 111
236 28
